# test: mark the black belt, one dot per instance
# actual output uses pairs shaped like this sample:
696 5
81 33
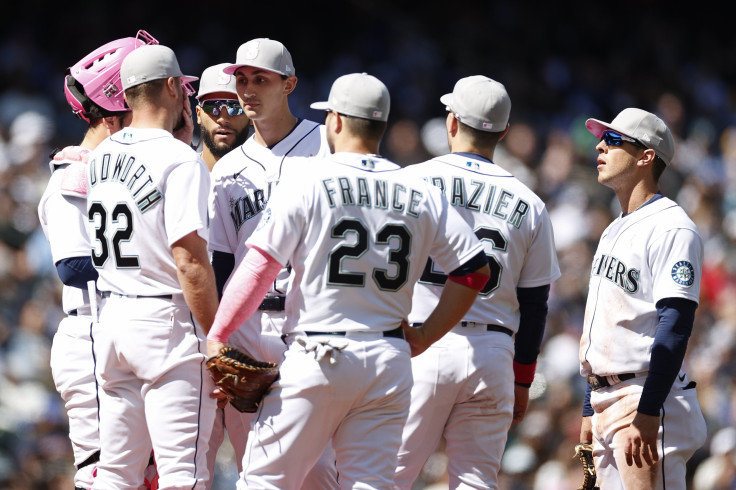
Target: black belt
397 333
92 459
273 303
106 294
597 382
489 327
73 312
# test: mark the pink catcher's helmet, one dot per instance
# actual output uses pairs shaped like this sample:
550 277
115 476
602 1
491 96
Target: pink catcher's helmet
93 87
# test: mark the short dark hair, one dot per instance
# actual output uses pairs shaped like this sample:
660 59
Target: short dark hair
481 139
658 167
149 91
365 128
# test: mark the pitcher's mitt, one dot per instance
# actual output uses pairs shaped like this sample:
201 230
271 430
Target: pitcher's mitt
585 453
243 379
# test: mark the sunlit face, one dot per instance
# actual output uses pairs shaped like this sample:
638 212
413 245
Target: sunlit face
221 132
617 164
262 92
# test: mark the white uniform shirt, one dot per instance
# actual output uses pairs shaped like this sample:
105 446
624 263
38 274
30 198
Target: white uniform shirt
147 190
511 222
357 231
63 218
653 253
242 182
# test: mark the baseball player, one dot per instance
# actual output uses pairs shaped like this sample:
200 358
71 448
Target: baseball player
357 231
224 126
473 381
641 412
93 90
242 182
147 210
220 116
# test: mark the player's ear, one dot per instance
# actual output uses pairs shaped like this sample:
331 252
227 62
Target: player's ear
198 110
647 157
505 132
451 124
290 84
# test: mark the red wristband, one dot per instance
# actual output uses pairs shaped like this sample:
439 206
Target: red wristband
474 280
524 373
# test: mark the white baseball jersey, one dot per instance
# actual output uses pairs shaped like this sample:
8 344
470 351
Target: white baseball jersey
511 222
242 182
132 225
327 215
63 218
653 253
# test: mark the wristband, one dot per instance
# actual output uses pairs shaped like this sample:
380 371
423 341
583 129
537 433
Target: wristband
474 280
524 373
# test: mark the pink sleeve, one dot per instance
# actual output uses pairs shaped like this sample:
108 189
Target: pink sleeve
249 284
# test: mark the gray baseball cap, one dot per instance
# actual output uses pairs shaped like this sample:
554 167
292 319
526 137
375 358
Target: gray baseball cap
263 53
480 103
214 80
641 125
148 63
358 95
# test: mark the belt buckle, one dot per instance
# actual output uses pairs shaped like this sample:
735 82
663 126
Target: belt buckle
469 324
594 382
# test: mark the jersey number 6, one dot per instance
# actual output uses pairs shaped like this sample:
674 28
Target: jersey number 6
498 241
98 211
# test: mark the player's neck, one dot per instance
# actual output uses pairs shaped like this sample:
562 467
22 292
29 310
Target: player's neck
270 131
208 158
636 198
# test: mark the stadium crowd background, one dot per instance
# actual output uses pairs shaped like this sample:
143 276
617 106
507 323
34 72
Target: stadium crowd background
561 62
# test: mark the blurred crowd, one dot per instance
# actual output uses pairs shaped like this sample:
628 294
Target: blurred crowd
556 80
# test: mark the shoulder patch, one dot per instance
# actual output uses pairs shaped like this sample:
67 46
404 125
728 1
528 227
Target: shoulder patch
683 273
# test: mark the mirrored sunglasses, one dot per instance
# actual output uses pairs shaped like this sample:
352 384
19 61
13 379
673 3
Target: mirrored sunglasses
215 106
612 138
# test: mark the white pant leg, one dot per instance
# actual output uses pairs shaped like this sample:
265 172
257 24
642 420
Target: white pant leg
682 431
432 396
154 373
73 370
477 429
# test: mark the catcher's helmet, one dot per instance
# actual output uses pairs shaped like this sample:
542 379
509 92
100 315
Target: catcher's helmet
92 86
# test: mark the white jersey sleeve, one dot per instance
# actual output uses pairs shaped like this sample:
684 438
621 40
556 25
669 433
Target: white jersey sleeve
183 214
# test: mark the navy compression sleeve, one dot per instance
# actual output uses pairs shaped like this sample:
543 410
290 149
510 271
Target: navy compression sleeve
676 317
533 311
76 271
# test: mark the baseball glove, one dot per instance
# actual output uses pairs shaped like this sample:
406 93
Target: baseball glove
241 378
584 452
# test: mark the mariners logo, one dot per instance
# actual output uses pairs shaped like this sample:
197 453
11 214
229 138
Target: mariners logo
683 273
265 219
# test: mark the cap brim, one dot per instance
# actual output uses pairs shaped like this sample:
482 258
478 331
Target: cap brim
187 78
446 99
597 127
321 106
231 69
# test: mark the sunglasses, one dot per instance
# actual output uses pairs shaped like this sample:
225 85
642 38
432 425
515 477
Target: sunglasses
613 138
215 106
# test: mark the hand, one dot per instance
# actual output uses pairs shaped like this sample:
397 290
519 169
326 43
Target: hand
213 348
416 337
640 440
184 130
521 402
